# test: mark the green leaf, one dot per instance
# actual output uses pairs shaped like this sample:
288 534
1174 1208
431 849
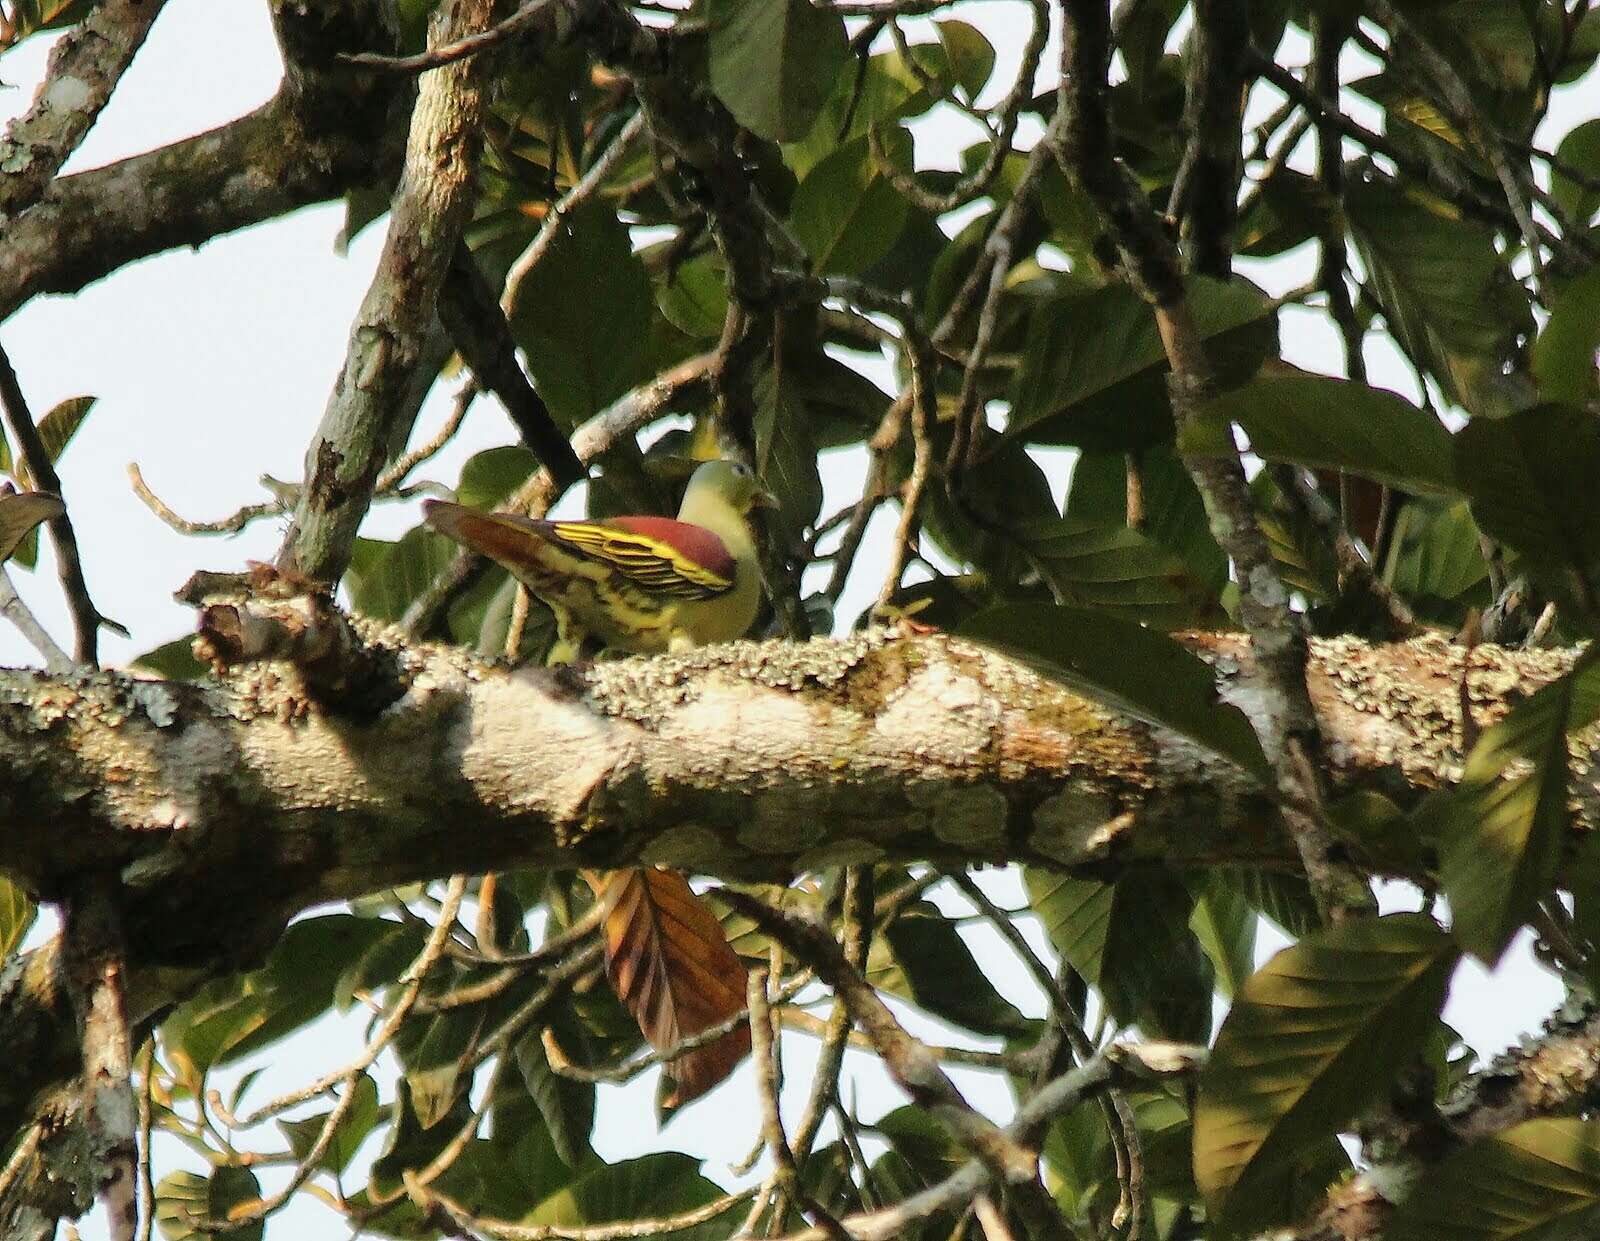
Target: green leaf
1531 479
185 1200
1118 570
1312 1037
1330 424
1174 514
773 62
488 477
1225 925
57 427
1564 354
1537 1181
1500 835
1447 293
17 913
1093 369
1127 667
922 956
846 213
20 513
1579 149
786 455
172 661
969 55
357 1123
566 1106
586 351
695 297
656 1185
1132 941
232 1017
384 578
1436 563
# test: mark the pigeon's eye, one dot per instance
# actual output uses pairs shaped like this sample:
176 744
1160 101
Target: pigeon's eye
741 469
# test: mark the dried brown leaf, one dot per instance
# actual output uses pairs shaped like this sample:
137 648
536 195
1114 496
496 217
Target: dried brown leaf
672 967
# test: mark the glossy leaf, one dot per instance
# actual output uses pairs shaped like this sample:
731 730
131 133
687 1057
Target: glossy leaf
846 212
922 957
773 62
1501 834
1447 293
1580 150
1531 481
1118 570
1564 354
353 1130
1537 1181
592 350
17 914
488 477
1311 1038
1131 940
1093 369
1127 667
566 1106
786 453
1333 424
384 578
656 1185
185 1200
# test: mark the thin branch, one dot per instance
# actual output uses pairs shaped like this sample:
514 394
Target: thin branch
392 478
555 219
503 1230
1458 101
231 524
35 459
456 49
1122 1063
982 178
911 1064
18 613
411 981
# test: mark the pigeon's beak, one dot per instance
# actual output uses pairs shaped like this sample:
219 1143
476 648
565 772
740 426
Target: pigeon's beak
763 498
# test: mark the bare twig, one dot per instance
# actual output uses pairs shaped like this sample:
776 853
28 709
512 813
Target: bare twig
555 219
1116 1064
231 524
35 459
981 179
456 49
503 1230
411 981
18 613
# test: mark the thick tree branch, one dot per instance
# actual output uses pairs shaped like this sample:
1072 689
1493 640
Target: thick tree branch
327 129
85 66
231 806
430 207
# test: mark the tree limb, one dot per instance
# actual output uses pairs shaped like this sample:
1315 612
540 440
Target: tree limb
85 66
430 208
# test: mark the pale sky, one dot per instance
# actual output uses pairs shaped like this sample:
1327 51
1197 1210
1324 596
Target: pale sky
213 366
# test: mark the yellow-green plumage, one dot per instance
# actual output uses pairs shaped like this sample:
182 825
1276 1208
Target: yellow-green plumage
643 584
